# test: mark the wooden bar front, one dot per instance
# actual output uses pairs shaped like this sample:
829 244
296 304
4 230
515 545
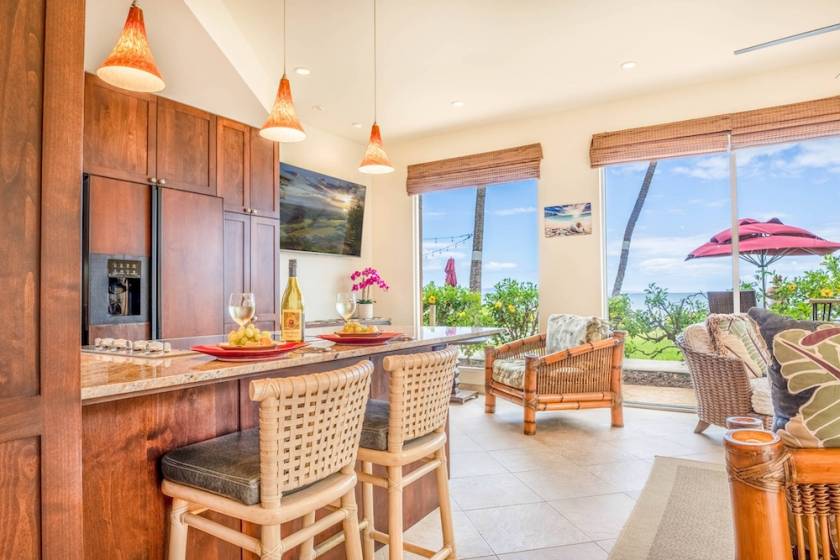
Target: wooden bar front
125 514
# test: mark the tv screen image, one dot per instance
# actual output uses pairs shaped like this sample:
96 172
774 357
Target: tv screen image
319 213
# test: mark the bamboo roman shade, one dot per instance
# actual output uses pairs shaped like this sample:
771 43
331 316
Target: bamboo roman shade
785 123
500 166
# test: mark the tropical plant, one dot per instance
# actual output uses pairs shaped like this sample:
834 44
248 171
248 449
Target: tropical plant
478 239
455 306
631 226
790 296
512 305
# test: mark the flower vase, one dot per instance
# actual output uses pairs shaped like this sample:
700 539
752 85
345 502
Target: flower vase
364 310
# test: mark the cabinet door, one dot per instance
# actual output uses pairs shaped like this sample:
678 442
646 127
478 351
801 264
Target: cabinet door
41 65
119 138
186 147
237 259
265 176
233 162
191 264
265 267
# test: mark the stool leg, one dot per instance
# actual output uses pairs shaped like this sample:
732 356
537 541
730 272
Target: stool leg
367 509
307 549
352 543
395 513
271 545
178 530
445 503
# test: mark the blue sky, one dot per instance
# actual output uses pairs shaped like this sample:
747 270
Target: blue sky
688 202
510 233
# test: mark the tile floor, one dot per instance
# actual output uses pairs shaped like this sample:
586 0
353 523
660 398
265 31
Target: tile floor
563 494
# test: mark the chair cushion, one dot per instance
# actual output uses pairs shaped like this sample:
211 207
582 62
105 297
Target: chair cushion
510 371
568 331
375 426
810 363
696 338
762 402
786 404
738 336
228 466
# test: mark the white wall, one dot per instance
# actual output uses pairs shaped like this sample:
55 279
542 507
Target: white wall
571 269
323 276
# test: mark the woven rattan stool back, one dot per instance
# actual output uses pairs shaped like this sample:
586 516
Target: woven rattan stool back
420 387
309 427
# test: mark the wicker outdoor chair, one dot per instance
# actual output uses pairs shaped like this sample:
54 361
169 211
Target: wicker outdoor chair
586 376
785 501
722 387
721 302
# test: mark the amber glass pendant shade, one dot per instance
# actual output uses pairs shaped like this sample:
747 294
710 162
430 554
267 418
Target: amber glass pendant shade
375 161
282 124
131 65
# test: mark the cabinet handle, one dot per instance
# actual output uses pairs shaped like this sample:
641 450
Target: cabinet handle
254 211
246 210
153 180
162 182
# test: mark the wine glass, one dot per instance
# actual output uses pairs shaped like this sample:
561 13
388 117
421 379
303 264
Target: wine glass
345 305
241 307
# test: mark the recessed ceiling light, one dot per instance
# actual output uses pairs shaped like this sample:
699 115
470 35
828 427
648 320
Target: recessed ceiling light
302 71
457 104
629 65
356 125
318 108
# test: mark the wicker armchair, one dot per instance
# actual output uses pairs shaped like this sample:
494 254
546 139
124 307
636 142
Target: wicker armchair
722 387
587 376
785 501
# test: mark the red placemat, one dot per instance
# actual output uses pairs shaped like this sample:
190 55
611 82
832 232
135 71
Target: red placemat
245 355
381 338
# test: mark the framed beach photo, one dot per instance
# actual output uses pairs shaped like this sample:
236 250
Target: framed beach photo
319 213
568 219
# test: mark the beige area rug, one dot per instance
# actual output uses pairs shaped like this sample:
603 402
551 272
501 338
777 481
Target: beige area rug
683 513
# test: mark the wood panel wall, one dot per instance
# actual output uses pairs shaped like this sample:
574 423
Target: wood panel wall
41 85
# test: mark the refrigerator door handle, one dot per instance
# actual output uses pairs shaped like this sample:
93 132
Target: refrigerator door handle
154 304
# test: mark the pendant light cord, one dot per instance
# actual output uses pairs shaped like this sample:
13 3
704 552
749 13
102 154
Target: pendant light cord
374 61
284 36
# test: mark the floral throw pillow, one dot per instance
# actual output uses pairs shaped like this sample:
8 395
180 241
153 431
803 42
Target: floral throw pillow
737 336
568 331
810 363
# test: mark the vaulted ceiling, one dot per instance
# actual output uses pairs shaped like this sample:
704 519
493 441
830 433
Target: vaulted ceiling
502 59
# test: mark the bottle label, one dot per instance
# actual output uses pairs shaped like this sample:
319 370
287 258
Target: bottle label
292 325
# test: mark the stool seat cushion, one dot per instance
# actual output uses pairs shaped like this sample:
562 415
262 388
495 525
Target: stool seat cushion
375 426
228 466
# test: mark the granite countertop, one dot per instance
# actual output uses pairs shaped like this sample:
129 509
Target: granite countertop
107 377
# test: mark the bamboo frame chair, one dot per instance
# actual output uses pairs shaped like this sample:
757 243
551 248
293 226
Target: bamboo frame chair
586 376
785 501
722 387
419 389
309 434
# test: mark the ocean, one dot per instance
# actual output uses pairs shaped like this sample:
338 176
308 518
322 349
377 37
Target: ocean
637 299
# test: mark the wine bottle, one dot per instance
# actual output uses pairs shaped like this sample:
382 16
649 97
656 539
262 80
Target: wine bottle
291 307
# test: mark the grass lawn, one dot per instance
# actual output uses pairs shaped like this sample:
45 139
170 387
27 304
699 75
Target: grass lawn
636 347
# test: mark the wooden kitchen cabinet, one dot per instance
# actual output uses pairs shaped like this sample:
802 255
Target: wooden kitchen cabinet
233 163
252 264
265 176
119 132
186 147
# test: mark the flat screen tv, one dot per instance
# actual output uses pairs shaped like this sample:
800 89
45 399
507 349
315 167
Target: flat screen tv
319 213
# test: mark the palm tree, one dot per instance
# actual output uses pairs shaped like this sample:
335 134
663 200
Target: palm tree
631 225
478 240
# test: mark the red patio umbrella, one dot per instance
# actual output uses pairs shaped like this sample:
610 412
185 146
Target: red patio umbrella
763 243
451 277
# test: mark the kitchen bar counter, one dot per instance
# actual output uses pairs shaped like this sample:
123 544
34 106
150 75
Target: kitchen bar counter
136 410
106 377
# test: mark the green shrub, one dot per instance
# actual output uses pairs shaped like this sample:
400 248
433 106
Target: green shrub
512 305
789 296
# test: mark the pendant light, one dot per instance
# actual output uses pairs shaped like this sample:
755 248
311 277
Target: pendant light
131 65
282 124
375 160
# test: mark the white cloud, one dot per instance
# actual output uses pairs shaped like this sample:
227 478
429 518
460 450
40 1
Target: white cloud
433 214
499 265
654 246
514 211
711 168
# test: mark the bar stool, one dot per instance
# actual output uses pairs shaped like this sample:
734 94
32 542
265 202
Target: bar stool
301 459
409 427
